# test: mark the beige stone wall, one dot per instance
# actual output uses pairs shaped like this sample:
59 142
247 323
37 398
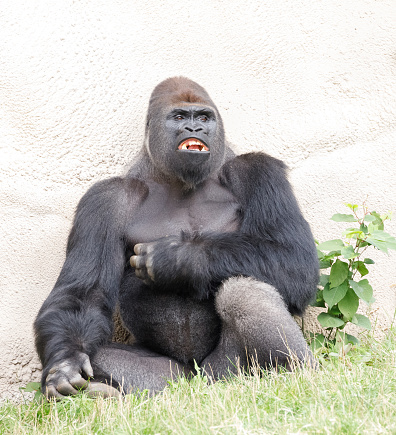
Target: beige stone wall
311 82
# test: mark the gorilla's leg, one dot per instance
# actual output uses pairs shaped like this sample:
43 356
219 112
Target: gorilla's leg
134 368
255 324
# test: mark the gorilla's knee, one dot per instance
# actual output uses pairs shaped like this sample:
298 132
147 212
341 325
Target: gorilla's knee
255 312
240 296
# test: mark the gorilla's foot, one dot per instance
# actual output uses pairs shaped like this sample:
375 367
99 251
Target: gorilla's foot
98 389
134 369
256 327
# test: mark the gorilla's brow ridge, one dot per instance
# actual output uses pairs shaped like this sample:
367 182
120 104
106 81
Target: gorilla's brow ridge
188 97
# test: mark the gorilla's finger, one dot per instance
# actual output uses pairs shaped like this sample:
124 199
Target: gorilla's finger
65 388
96 389
52 393
132 261
140 248
149 268
138 262
79 382
149 247
86 367
150 273
53 370
141 274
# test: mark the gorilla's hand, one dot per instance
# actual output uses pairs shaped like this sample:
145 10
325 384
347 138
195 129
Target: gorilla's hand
175 263
143 261
65 378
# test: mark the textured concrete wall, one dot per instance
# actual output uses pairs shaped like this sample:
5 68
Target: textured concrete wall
311 82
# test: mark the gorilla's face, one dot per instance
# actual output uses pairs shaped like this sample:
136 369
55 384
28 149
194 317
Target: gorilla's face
193 127
185 139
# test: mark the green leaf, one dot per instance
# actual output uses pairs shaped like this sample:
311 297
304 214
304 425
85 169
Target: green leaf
362 321
362 289
338 273
339 217
385 237
323 280
379 244
349 304
369 218
353 207
31 386
382 235
353 233
348 252
328 321
334 311
319 302
331 255
386 216
318 342
360 266
363 228
331 245
368 261
346 338
333 295
324 264
378 221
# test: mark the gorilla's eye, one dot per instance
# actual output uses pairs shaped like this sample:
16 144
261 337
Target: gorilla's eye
203 118
179 117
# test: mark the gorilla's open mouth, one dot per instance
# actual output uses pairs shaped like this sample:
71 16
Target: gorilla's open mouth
193 144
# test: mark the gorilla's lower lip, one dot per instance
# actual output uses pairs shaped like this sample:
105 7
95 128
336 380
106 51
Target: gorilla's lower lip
192 144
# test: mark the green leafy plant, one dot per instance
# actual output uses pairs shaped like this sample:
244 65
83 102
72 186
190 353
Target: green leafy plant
33 387
342 289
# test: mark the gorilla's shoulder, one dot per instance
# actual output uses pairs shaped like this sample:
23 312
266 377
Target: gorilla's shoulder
115 191
245 173
255 162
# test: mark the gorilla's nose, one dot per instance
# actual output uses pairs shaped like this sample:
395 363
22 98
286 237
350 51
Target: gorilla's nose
193 129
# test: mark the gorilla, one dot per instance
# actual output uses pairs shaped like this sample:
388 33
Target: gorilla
204 254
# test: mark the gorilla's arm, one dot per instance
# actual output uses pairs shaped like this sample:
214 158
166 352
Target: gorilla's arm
76 317
274 243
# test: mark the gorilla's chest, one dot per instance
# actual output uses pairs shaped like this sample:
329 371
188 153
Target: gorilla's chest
168 211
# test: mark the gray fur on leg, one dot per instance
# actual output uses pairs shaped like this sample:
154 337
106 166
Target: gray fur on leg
135 368
255 320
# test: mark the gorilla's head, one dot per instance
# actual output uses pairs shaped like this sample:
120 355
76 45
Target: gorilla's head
184 132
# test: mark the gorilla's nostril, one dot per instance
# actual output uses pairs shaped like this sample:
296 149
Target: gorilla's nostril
189 129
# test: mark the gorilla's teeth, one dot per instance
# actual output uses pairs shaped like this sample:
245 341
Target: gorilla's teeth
198 145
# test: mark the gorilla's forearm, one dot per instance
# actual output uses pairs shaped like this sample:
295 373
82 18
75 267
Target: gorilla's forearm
66 327
76 317
199 263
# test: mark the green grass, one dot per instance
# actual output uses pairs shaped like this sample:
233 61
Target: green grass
351 395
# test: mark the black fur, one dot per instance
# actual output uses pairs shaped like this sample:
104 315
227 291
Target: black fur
198 219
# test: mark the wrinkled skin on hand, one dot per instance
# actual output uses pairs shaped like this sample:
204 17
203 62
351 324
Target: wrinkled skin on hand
143 261
66 378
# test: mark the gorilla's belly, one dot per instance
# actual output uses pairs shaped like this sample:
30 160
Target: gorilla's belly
183 328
